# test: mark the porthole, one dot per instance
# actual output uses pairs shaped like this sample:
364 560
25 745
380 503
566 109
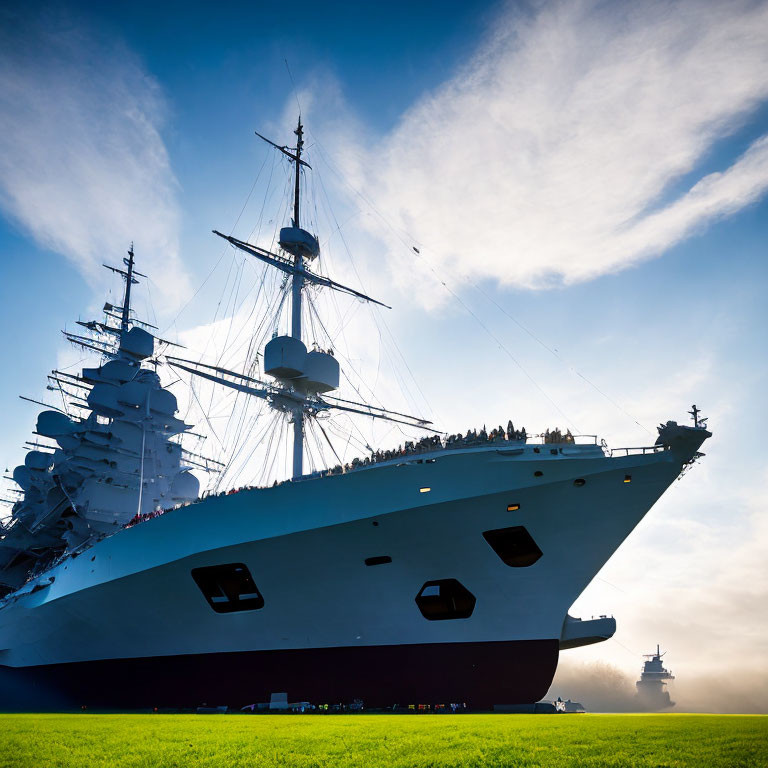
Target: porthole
579 481
537 450
228 588
538 473
445 599
513 507
515 546
627 478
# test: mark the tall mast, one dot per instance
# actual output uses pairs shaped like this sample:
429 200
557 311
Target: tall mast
295 392
127 298
296 286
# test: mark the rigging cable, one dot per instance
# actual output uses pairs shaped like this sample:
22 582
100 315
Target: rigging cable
374 310
293 85
412 251
499 343
223 252
328 440
267 429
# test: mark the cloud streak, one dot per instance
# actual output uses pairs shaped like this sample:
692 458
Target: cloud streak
83 167
572 144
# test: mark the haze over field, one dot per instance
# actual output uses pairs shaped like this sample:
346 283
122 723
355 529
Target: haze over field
565 203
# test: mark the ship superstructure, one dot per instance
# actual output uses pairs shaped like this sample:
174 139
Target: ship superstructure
429 573
114 458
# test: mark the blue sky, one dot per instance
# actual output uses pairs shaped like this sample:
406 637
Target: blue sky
597 171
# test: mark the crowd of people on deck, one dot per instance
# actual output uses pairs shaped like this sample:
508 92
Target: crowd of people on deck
556 436
141 518
424 445
436 443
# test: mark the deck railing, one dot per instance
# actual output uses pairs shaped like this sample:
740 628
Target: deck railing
637 451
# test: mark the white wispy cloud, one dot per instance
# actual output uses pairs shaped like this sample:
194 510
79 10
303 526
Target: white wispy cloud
83 167
569 146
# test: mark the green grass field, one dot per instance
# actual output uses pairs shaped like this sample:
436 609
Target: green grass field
338 741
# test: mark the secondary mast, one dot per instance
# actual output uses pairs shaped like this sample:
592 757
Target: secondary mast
129 275
126 316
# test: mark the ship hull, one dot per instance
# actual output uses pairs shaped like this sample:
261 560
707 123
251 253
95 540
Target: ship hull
478 675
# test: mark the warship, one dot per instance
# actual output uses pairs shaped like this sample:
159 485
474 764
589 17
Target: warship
434 572
651 687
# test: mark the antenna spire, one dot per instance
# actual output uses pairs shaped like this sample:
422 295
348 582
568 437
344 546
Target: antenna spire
125 318
297 190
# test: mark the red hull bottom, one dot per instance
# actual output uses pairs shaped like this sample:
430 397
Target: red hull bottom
478 674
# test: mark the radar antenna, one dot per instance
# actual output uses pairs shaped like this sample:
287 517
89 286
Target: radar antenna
697 422
130 279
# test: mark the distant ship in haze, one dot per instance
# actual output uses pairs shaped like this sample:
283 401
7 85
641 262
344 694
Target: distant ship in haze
442 571
652 686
